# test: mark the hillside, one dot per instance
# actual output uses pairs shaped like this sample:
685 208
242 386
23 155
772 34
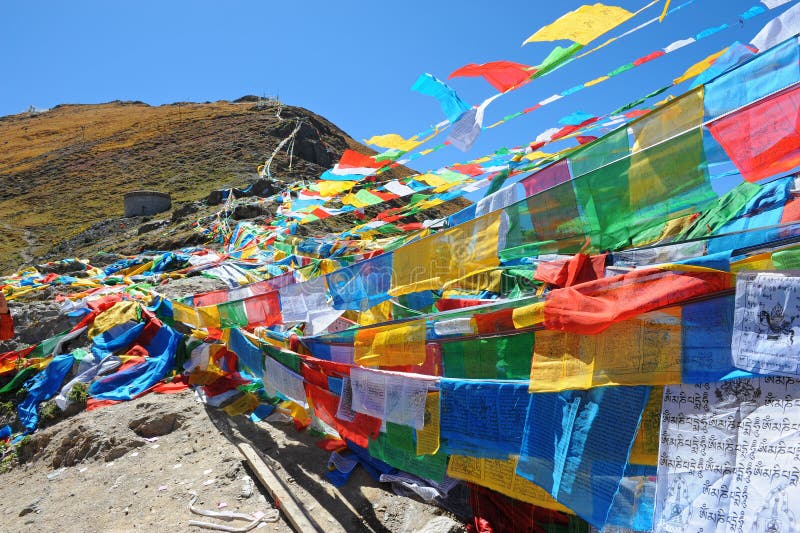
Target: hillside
63 172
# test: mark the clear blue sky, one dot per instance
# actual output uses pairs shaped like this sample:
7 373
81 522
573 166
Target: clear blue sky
352 62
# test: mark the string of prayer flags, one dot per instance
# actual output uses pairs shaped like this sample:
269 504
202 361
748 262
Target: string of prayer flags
257 310
664 12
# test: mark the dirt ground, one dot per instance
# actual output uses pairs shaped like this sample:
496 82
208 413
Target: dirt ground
134 466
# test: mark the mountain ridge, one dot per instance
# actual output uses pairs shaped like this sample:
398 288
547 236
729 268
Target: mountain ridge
65 170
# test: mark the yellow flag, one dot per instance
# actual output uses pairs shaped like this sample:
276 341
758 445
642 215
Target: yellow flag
756 262
536 155
528 315
446 256
119 313
352 199
596 81
393 141
392 345
645 350
664 13
431 179
246 403
699 67
428 437
500 475
482 280
332 188
583 25
645 446
651 170
375 314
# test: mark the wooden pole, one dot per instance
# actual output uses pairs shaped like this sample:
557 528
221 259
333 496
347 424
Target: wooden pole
279 492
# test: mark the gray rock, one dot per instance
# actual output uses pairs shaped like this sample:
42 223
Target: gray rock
440 524
32 507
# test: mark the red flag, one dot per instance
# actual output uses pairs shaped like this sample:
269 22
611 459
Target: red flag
762 140
502 75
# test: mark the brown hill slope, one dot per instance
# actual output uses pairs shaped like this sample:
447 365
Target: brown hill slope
66 169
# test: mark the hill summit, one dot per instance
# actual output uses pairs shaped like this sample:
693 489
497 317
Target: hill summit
65 171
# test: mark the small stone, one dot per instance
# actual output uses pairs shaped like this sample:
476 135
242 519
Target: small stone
32 507
55 473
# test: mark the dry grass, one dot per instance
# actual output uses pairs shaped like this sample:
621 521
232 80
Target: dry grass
68 168
63 170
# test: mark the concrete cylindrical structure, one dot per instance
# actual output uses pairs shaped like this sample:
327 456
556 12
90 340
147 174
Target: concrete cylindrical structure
145 203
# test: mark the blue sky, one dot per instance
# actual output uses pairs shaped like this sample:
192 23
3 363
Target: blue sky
352 62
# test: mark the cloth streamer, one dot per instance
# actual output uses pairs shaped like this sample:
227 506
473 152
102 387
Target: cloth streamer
577 443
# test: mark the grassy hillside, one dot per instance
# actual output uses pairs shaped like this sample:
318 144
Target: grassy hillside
65 169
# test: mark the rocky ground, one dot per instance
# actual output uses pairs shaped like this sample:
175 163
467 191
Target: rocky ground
135 466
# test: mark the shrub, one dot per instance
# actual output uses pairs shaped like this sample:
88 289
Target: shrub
79 394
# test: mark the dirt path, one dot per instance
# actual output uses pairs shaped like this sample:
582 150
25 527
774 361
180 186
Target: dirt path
133 466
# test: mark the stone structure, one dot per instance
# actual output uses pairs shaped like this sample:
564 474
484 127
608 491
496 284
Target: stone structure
145 203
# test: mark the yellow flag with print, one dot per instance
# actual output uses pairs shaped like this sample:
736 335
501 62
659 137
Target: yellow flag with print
446 256
583 25
392 345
